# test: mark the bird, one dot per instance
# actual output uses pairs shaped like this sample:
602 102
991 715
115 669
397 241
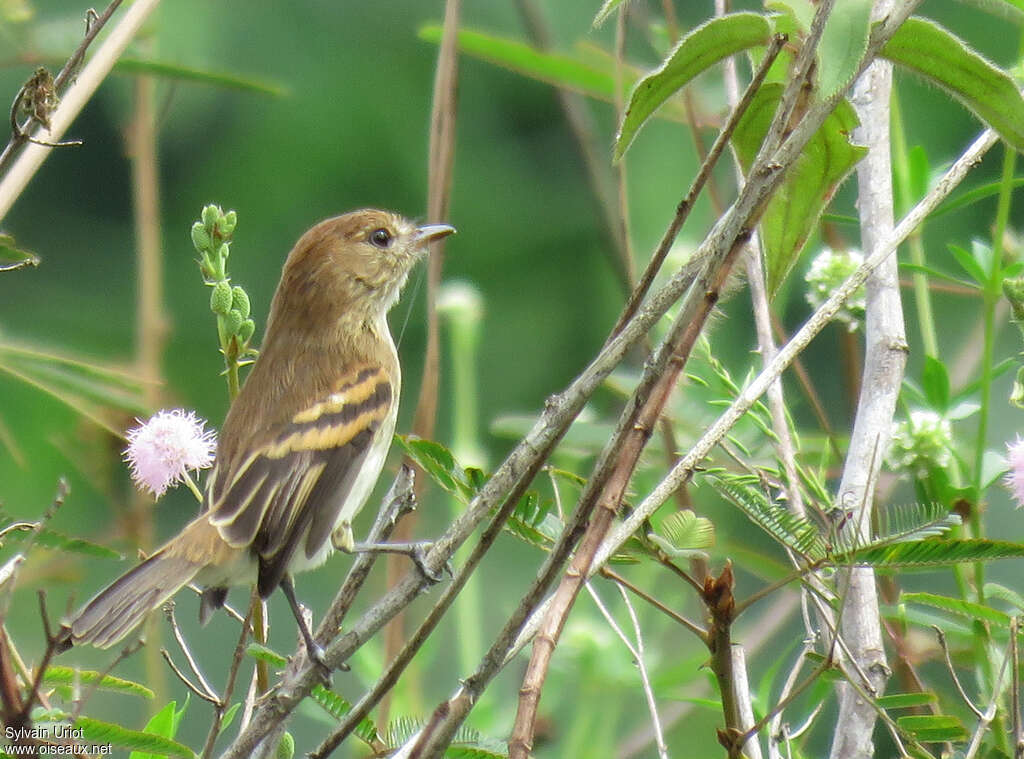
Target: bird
304 442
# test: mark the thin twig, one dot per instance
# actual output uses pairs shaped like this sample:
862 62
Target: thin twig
199 691
176 631
645 678
229 688
129 649
952 673
640 593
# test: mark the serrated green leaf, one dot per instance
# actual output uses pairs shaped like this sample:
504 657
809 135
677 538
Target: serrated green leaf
906 700
933 728
843 43
12 256
957 606
931 552
795 208
221 79
97 732
935 383
703 47
66 676
943 58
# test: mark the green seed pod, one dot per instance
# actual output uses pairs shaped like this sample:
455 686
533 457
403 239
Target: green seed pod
210 215
246 330
286 746
221 298
226 224
200 239
233 321
240 300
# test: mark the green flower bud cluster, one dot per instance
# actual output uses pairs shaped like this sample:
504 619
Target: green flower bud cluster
923 441
1013 289
211 237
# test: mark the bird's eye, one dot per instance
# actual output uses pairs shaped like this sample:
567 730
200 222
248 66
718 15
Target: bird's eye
380 237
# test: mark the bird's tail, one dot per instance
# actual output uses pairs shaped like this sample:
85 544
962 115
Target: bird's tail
122 606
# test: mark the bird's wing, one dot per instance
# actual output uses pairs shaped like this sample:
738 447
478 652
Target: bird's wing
296 484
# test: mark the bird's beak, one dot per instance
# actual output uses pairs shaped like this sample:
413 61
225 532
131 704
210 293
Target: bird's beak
431 232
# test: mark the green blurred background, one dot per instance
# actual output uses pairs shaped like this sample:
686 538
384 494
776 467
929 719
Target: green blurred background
352 131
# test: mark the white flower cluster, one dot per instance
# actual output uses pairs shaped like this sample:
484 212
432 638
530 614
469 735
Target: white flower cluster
828 271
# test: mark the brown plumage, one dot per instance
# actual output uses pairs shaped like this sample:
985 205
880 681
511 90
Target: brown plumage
304 442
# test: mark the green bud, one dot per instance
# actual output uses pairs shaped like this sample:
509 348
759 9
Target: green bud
245 331
226 224
286 746
240 301
233 321
1017 393
1013 289
221 298
223 251
210 215
200 239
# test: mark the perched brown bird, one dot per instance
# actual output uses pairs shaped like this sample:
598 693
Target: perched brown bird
303 443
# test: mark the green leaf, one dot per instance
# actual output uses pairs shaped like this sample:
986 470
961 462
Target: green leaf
606 10
794 210
222 79
97 732
56 676
703 47
163 724
969 264
338 707
933 728
943 58
935 383
683 533
438 462
60 542
261 653
592 73
12 257
229 716
931 552
972 196
1012 597
843 43
956 606
906 700
993 466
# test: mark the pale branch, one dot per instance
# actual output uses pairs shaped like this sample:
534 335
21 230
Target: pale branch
885 358
72 101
